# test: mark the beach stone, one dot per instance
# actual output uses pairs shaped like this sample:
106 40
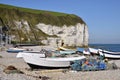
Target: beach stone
117 62
0 56
11 69
44 77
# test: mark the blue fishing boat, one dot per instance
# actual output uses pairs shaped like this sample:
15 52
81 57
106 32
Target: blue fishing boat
15 50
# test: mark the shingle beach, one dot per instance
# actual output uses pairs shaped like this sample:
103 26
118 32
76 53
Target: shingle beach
8 59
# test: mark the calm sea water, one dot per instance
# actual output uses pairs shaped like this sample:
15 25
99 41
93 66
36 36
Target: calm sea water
110 47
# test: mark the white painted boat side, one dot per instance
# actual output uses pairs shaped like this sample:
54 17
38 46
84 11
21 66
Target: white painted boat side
86 52
50 62
92 50
111 52
43 62
111 56
108 55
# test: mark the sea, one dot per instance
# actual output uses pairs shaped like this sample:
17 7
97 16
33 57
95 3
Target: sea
109 47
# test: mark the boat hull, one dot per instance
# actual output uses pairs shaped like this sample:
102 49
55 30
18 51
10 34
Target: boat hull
108 54
50 62
34 66
15 50
94 51
112 55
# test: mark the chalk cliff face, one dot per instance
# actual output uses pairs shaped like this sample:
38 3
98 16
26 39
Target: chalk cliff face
76 35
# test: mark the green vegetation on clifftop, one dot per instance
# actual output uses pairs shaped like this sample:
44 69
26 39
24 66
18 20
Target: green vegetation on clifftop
8 13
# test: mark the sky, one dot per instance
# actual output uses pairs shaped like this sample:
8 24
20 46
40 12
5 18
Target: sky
101 16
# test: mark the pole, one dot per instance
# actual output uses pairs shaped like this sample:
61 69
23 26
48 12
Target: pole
1 36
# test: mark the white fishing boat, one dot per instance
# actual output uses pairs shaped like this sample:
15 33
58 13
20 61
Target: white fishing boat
93 50
108 54
70 51
86 52
49 62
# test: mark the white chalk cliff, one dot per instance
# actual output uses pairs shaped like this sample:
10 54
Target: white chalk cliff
76 35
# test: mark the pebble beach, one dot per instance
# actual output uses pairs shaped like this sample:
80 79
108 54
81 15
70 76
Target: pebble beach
8 59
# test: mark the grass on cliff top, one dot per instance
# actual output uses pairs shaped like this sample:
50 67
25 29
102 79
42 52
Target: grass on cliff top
9 13
34 10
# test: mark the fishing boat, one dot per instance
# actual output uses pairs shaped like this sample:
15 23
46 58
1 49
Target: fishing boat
15 50
34 61
70 51
83 50
108 54
63 49
93 50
